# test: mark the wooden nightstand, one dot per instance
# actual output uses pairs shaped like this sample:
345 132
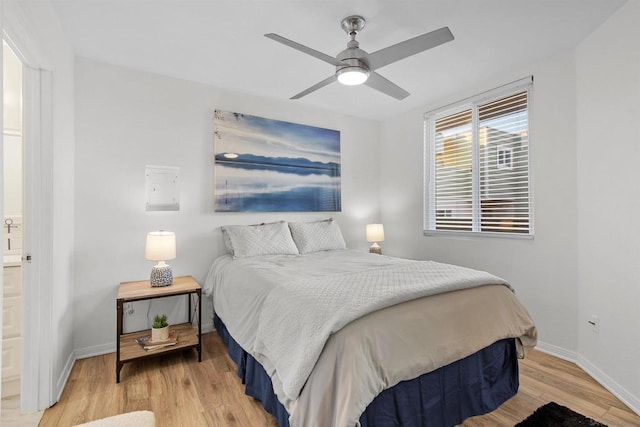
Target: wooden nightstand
189 335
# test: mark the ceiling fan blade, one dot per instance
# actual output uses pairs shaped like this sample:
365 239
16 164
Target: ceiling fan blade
376 81
315 87
302 48
404 49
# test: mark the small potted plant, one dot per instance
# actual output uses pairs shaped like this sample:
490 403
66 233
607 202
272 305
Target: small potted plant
160 329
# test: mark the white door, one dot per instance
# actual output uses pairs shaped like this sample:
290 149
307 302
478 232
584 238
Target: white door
37 386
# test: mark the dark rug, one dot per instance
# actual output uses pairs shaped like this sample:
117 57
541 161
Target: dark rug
554 415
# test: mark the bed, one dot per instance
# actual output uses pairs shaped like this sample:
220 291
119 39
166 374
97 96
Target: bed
327 336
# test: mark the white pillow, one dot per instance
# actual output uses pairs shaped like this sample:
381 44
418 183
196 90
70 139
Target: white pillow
227 240
317 236
264 239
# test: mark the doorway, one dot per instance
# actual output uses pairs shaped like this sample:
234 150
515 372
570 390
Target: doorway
25 127
12 224
12 242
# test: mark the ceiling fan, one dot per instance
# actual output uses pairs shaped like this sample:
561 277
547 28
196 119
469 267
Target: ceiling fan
354 66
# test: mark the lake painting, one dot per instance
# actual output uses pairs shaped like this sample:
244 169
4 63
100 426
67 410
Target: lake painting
265 165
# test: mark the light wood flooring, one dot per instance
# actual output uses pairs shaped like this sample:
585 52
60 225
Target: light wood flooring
182 392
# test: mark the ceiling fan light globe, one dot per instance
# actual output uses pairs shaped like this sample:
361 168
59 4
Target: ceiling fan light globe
352 76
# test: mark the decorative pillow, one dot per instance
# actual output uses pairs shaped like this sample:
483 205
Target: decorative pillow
227 240
264 239
317 236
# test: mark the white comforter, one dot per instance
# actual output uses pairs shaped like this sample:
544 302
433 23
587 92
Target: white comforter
282 309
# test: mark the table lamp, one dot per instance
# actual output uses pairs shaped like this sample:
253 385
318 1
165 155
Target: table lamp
161 247
375 234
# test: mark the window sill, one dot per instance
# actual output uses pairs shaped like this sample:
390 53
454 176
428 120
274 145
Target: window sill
476 234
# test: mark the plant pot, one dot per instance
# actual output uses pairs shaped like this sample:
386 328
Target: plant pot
160 334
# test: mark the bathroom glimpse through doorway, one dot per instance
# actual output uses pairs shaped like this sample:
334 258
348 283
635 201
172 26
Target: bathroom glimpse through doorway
12 222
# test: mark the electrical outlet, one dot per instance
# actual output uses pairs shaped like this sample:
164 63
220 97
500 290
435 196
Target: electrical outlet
595 323
127 307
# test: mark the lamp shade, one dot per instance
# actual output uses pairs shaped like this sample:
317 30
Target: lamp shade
375 233
161 246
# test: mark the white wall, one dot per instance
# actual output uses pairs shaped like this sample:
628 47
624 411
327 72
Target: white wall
543 270
127 119
608 85
34 29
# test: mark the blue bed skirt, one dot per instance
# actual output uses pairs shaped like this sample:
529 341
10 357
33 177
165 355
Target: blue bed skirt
475 385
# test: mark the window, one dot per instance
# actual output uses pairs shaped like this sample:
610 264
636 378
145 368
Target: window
477 164
503 161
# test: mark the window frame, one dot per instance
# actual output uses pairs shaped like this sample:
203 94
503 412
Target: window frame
473 103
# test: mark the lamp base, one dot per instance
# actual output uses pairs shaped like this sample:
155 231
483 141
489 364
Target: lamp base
161 275
375 249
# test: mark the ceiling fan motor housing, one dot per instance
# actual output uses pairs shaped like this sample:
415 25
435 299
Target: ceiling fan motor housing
353 58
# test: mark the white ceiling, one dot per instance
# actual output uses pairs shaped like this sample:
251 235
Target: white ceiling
221 42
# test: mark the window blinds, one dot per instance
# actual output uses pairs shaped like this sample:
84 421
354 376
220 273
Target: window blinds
479 178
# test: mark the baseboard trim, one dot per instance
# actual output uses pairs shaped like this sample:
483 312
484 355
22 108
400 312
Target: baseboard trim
64 376
610 384
594 372
96 350
559 352
208 326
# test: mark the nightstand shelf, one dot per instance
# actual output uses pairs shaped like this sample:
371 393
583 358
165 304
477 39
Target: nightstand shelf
130 350
189 334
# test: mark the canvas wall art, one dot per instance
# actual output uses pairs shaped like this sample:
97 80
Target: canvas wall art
265 165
